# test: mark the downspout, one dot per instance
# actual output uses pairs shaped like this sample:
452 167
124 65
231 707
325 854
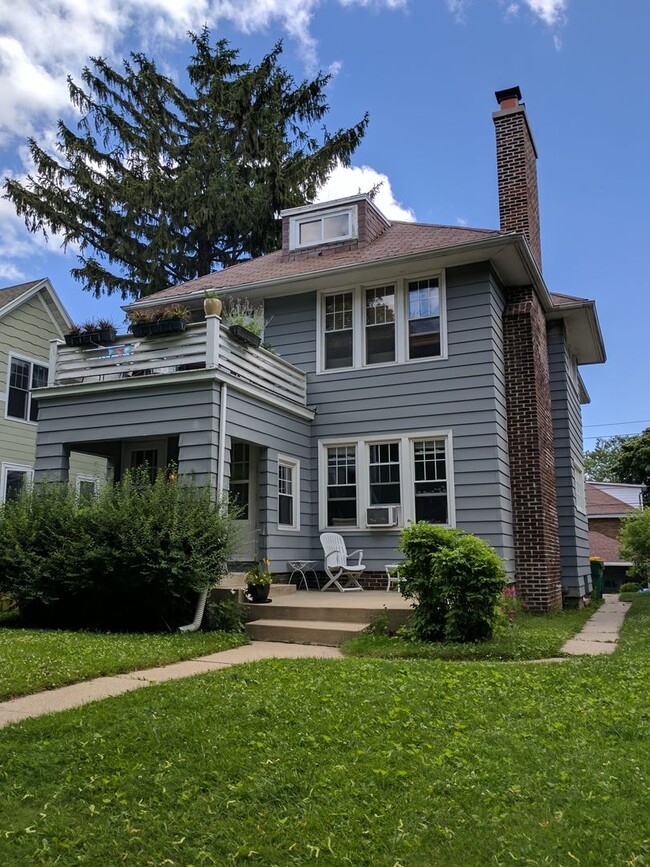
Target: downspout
203 598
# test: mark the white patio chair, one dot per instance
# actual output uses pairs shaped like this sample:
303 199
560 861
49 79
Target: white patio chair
337 567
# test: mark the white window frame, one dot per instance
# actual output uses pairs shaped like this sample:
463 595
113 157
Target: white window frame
8 467
296 222
294 466
359 328
85 477
406 510
579 488
16 356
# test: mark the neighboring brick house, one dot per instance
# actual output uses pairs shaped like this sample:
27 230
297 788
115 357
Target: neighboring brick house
423 372
607 504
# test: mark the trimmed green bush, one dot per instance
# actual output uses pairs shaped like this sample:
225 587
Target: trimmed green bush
457 580
629 587
635 544
134 558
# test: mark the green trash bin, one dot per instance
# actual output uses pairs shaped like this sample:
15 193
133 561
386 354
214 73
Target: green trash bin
597 571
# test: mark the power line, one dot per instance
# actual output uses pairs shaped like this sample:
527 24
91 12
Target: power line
618 423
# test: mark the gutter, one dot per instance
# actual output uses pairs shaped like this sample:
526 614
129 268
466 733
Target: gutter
498 242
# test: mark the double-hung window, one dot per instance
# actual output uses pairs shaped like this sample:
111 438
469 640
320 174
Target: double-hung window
394 323
339 335
380 324
13 481
430 481
341 493
288 494
424 318
409 472
384 474
24 376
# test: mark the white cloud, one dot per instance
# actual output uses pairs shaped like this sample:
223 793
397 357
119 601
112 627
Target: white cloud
351 180
551 12
42 41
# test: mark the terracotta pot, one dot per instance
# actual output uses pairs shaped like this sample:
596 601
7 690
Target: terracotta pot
212 306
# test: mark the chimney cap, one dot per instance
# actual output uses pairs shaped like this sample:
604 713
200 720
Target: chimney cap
510 93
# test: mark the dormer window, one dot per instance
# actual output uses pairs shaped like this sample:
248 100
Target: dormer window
308 230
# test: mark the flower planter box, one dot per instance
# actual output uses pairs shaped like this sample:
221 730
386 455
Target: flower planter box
91 338
163 326
244 336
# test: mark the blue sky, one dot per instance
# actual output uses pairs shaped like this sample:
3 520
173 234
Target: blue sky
426 70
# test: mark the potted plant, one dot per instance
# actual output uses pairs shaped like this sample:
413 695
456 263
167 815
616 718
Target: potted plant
244 321
149 321
91 333
212 304
259 581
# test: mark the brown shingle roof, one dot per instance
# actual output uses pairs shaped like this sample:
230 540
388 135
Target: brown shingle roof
399 239
10 293
600 503
559 300
604 547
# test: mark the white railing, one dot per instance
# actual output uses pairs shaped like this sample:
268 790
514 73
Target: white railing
202 345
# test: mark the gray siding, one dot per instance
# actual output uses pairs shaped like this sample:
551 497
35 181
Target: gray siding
187 410
276 432
567 425
464 393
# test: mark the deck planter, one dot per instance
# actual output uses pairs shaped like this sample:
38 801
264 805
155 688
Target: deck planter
162 326
244 336
91 338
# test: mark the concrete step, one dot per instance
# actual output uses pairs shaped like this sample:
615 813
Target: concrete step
296 611
328 633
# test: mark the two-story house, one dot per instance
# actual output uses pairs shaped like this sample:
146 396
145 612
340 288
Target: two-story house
31 315
423 372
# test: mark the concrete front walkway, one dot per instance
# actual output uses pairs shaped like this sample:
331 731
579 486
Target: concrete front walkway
54 700
599 635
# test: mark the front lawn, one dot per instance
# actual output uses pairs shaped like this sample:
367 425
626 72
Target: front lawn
35 659
355 762
530 637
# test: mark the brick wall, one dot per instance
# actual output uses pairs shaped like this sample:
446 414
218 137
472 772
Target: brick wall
532 462
607 526
517 176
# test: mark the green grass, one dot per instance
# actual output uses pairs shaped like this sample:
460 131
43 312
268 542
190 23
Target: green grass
530 637
355 762
37 659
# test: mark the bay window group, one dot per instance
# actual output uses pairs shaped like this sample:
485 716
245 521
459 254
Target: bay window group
411 473
397 322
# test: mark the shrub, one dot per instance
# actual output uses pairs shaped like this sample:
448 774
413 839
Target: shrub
457 580
224 615
635 543
629 587
133 558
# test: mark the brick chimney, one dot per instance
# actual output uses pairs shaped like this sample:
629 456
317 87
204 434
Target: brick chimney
528 394
517 169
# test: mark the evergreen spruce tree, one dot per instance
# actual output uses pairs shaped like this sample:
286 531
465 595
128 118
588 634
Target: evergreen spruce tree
160 184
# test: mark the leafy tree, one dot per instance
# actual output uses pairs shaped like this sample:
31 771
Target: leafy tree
633 462
161 185
635 543
601 461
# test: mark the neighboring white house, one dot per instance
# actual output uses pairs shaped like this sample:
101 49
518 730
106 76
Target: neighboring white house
31 314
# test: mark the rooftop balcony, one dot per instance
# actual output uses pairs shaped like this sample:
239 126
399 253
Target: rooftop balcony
203 345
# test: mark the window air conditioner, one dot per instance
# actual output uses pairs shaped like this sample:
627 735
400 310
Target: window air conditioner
382 516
